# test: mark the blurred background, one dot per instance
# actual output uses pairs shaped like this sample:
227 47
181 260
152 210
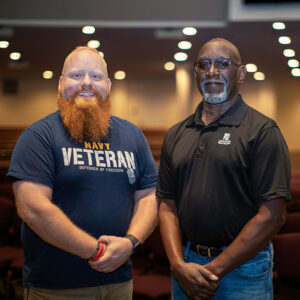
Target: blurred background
150 48
138 38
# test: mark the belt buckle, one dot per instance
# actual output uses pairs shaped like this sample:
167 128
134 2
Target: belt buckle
207 248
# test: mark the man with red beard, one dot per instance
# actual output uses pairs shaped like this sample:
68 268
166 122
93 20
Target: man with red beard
223 183
84 183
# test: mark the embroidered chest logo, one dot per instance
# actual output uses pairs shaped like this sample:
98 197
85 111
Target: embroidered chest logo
225 140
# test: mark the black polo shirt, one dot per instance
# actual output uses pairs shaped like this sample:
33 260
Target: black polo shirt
219 173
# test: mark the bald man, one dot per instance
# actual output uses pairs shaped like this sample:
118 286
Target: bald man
223 183
84 183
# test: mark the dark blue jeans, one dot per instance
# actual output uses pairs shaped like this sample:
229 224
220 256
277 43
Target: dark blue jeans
250 281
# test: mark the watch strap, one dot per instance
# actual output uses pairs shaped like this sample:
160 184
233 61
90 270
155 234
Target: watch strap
135 242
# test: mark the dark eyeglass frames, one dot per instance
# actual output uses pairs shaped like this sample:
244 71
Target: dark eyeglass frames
203 66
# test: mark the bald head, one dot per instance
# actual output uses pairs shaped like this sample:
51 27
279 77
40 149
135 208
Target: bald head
84 50
222 47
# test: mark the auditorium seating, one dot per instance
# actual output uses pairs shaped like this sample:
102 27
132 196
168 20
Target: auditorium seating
287 249
11 250
152 281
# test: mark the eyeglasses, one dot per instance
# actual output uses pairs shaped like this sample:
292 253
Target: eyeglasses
203 66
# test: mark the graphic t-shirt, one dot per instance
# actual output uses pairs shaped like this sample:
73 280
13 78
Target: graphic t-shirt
93 182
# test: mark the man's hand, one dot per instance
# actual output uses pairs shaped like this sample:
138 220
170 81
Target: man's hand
196 281
117 252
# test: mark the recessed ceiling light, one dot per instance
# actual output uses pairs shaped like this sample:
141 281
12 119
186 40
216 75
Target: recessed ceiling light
284 40
93 44
259 76
47 74
180 56
293 63
288 52
184 45
120 75
88 29
189 30
101 53
295 72
251 68
169 66
15 55
4 44
278 25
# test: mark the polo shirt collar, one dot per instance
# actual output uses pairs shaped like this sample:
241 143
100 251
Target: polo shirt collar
233 116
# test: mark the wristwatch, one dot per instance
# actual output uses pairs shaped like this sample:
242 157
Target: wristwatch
135 242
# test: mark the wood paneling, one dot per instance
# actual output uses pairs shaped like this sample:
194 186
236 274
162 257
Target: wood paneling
295 162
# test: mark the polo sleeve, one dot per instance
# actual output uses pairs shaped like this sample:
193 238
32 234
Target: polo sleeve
270 166
165 188
148 169
32 159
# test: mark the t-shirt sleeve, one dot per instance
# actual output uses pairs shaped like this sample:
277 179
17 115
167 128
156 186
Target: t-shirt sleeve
148 168
165 182
32 158
270 166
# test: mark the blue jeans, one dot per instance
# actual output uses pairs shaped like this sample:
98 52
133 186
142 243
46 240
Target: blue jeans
250 281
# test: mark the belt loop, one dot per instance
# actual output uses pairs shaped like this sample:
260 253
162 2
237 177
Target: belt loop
26 290
208 252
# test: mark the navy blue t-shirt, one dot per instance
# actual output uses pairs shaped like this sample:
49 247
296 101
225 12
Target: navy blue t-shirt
93 183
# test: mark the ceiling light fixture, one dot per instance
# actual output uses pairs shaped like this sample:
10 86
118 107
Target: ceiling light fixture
169 66
259 76
120 75
284 40
251 68
93 44
278 25
15 55
288 52
88 29
189 31
47 74
293 63
295 72
184 45
4 44
180 56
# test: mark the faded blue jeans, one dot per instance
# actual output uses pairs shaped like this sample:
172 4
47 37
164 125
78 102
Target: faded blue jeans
250 281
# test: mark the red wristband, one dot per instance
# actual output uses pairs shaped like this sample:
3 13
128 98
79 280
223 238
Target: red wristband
101 248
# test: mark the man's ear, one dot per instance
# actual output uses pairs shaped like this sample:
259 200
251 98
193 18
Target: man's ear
59 84
242 74
108 86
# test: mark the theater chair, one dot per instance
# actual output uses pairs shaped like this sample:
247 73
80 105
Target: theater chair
294 204
287 266
292 223
10 245
14 276
154 281
6 190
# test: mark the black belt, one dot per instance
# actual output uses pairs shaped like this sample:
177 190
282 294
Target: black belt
205 250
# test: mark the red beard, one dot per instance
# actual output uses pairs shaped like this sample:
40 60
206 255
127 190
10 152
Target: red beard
85 119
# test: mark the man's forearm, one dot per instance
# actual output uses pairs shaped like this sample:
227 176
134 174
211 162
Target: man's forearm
170 232
253 238
49 222
145 214
196 281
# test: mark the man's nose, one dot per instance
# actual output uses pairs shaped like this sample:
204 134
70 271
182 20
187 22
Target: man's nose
86 81
212 70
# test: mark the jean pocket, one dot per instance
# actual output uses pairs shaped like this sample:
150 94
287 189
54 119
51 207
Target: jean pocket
257 267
